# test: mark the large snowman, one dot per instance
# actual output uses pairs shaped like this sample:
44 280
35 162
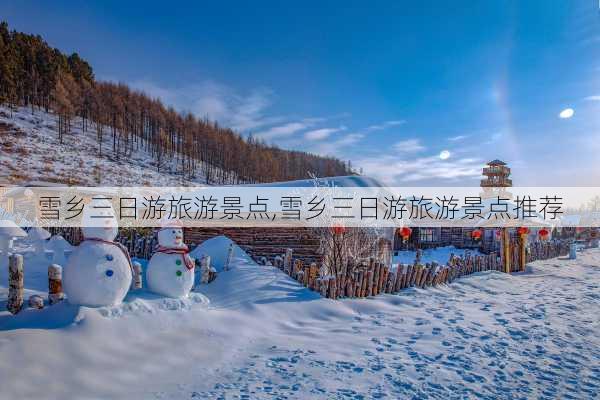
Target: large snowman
98 272
170 271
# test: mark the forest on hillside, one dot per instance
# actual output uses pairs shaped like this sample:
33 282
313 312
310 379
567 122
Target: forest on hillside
35 75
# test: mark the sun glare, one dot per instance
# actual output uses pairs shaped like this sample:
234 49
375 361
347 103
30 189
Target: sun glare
444 154
566 113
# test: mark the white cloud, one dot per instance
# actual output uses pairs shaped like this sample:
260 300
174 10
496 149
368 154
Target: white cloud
593 98
384 125
409 146
426 170
323 133
216 102
444 155
285 130
458 138
335 147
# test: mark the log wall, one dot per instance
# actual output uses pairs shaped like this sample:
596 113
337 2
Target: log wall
264 242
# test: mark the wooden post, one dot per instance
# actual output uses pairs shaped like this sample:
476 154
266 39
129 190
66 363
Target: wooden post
55 292
400 277
407 276
417 274
205 269
287 262
383 279
314 271
386 276
15 283
333 288
506 249
278 262
359 283
369 289
324 285
522 252
365 283
418 256
136 282
434 275
376 273
296 269
229 258
306 275
349 287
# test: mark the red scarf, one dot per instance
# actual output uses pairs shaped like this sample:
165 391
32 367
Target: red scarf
178 250
119 246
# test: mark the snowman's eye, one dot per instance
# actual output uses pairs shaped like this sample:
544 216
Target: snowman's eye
172 231
178 273
109 272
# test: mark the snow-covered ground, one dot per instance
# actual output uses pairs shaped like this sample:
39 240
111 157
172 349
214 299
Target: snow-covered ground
32 153
254 333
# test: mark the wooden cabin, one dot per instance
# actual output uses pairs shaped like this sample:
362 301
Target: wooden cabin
496 177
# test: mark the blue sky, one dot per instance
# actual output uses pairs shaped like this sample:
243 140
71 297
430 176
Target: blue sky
415 93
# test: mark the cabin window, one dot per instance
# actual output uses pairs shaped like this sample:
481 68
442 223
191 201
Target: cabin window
427 234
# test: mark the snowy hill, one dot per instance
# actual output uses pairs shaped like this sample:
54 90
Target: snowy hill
30 151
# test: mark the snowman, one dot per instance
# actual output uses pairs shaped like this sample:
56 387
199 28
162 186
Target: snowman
99 271
170 271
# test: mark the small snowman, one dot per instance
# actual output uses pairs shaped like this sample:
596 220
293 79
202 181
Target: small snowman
99 271
170 270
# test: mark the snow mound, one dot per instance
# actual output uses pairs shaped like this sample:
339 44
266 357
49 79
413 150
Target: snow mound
217 249
150 304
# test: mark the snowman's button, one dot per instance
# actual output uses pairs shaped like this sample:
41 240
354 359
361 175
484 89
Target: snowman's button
178 262
178 273
109 257
109 272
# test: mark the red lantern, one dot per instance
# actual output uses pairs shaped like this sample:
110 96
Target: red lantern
476 234
498 233
338 229
543 233
405 233
523 231
593 234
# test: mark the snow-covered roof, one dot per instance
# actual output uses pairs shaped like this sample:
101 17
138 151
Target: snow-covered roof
334 181
58 243
570 220
10 229
496 162
38 233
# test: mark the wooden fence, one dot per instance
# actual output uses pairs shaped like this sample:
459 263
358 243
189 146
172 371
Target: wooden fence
367 278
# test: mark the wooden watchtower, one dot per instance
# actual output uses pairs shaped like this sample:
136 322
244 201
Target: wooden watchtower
496 175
